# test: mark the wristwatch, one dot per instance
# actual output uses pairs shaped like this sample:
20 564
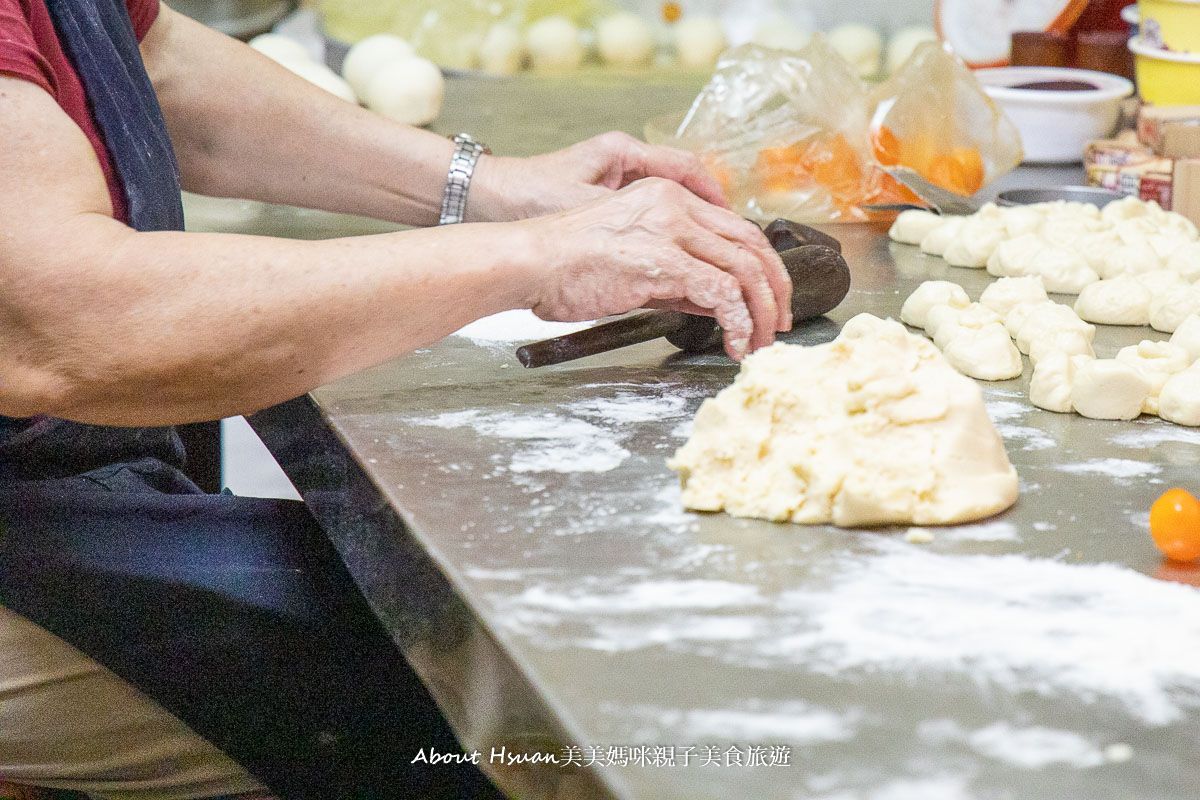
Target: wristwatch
462 165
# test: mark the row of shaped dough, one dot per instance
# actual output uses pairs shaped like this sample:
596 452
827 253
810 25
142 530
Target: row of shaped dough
1151 377
1069 245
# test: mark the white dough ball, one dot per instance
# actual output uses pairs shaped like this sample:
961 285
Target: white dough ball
1018 315
781 33
625 40
1068 231
945 323
367 57
1062 270
985 353
1104 388
862 46
1160 280
1117 301
1068 341
938 239
913 225
1007 293
502 51
904 41
1187 336
974 243
554 44
1050 386
279 48
1165 243
1095 248
1157 361
1126 208
323 76
1174 222
410 90
1185 262
1013 258
916 307
1179 400
1020 220
1169 309
1047 319
1129 259
699 40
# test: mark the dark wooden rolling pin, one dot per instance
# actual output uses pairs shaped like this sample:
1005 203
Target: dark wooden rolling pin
820 280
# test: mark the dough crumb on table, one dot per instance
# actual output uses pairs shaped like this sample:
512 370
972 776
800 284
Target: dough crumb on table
872 428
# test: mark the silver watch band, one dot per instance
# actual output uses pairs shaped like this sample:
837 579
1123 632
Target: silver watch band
462 166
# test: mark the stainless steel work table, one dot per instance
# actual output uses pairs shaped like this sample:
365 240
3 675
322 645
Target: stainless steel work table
520 534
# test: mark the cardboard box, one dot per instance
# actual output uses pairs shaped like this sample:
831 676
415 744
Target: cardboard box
1134 169
1152 120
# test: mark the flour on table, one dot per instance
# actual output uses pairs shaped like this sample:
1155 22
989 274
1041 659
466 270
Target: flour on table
549 442
517 326
1113 468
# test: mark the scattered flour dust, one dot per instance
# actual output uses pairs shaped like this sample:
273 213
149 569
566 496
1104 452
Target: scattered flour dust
793 721
1043 630
1095 632
550 442
1148 434
1033 747
569 442
1113 467
517 326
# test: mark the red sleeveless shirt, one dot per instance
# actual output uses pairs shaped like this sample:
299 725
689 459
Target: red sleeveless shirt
29 49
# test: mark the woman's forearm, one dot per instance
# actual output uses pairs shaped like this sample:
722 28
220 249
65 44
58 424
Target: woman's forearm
238 322
243 126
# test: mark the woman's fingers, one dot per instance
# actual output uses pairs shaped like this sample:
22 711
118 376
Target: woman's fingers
640 160
745 265
749 235
714 292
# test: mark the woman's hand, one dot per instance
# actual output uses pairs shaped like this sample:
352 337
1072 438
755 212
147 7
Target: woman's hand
654 243
506 189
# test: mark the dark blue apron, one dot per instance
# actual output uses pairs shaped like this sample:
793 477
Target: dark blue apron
235 614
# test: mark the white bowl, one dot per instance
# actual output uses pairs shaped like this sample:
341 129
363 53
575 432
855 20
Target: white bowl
1056 126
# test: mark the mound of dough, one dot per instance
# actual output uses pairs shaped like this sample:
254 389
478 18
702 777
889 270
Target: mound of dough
1179 400
1157 361
1187 336
873 428
1050 386
985 353
1062 271
1070 341
1185 262
1047 319
1116 301
938 239
913 225
1013 258
1105 388
1007 293
1169 309
946 323
974 243
915 310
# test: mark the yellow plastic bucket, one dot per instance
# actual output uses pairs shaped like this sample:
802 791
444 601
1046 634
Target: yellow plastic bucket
1175 22
1165 78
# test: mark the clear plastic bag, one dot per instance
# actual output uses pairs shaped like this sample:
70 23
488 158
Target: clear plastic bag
797 134
934 117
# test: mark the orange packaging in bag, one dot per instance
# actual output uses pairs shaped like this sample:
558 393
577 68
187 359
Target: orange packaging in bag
934 117
799 135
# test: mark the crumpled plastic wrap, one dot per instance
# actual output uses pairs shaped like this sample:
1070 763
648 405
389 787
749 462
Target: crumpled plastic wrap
798 134
934 117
